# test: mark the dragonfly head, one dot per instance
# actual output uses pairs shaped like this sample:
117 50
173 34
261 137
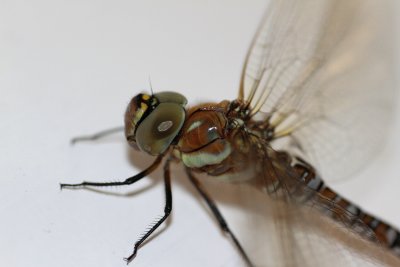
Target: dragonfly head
153 121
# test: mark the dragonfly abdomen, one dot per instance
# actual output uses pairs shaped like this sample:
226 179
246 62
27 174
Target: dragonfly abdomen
384 233
343 210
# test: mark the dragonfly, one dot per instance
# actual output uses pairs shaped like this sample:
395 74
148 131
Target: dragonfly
315 101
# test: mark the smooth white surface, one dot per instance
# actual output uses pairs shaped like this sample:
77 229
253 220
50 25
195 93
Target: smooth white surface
69 68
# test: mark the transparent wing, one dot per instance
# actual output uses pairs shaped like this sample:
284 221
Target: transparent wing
320 71
305 233
284 234
299 236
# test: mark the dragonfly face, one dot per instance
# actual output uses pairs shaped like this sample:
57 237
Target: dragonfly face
153 121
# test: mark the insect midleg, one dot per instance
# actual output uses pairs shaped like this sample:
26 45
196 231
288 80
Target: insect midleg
222 222
127 181
97 135
167 211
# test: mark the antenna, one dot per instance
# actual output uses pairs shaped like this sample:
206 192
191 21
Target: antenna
151 87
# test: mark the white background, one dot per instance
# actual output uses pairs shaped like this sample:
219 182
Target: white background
69 68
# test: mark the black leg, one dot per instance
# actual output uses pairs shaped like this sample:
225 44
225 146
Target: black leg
167 211
96 135
223 224
128 181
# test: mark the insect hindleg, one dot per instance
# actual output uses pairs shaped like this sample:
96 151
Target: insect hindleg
222 222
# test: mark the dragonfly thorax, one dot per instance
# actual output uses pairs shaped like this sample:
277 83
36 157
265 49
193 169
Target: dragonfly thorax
214 142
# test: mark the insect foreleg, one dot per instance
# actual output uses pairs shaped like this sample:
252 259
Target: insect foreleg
97 135
127 181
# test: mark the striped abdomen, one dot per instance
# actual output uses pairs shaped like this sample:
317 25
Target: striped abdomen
385 234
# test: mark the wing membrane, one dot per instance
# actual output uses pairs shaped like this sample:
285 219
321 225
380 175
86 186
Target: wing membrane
286 234
321 72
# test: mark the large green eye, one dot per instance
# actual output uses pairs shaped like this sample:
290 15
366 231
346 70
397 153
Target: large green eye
171 97
157 131
163 121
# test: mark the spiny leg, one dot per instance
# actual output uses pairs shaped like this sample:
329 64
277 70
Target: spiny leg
97 135
167 211
127 181
222 222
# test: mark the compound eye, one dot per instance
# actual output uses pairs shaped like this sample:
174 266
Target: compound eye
171 97
157 131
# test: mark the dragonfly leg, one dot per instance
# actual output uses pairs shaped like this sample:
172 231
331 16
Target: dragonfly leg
222 222
167 211
97 135
127 181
